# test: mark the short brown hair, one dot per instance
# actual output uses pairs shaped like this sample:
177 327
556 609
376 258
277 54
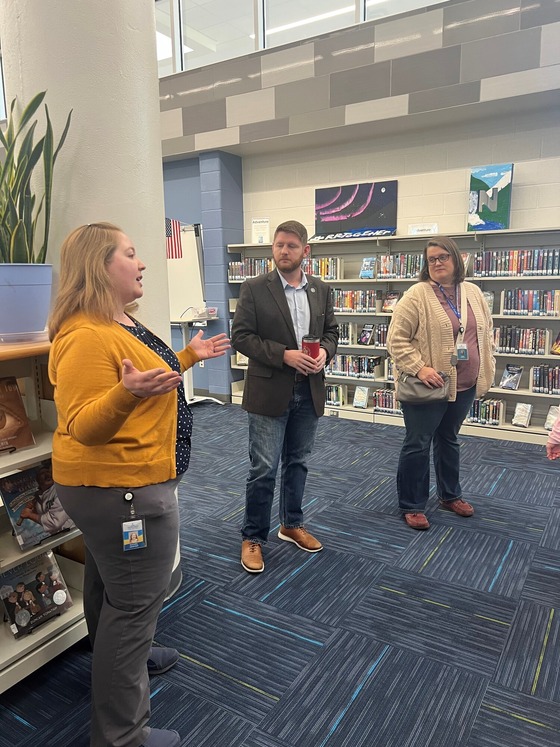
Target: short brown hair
451 248
293 226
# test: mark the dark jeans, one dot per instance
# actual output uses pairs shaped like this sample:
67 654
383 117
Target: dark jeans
437 422
290 436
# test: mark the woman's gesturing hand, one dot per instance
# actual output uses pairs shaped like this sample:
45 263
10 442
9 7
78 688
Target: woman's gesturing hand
148 383
213 347
430 377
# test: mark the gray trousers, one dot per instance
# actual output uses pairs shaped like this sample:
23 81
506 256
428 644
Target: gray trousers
122 620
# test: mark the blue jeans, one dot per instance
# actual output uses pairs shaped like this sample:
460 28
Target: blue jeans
437 422
290 436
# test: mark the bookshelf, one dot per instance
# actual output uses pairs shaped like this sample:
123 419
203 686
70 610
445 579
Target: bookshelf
491 256
20 657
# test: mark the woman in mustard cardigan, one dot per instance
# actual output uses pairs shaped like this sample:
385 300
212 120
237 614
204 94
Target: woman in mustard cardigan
121 445
441 325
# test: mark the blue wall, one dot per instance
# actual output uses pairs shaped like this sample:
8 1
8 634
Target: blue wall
181 190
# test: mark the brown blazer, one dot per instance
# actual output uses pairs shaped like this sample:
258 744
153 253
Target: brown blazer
262 329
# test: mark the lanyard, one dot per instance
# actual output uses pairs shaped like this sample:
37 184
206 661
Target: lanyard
452 306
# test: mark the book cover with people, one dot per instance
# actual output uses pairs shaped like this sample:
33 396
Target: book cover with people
33 593
15 431
32 505
511 376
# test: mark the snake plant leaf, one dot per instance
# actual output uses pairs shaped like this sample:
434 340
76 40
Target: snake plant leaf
20 206
19 249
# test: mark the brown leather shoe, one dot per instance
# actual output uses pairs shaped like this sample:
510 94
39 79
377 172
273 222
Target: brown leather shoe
300 537
251 557
417 521
458 506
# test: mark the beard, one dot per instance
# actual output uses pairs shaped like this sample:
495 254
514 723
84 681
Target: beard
289 265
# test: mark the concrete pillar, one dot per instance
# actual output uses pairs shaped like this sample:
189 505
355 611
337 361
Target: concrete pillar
99 59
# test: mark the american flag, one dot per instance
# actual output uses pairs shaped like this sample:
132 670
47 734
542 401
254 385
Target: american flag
173 239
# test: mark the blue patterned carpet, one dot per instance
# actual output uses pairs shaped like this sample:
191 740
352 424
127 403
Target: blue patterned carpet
388 638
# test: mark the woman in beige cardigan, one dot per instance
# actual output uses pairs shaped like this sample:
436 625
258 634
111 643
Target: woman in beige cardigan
441 324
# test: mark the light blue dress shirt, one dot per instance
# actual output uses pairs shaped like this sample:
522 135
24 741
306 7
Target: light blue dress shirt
298 304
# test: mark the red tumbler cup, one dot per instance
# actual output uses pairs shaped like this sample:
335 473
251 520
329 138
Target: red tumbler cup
311 346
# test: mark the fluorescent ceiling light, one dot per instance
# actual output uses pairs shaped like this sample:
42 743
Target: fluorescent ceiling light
313 19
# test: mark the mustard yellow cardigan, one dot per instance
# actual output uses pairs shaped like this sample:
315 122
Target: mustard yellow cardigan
105 435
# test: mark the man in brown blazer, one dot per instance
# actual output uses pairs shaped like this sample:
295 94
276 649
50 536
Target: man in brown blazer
284 392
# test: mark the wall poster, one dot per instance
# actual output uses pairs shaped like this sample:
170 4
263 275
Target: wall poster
355 211
490 197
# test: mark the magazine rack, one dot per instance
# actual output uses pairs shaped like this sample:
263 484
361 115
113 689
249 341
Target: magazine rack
406 249
21 657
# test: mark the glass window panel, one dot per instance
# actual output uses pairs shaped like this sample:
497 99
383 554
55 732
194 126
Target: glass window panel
216 30
383 8
163 38
290 20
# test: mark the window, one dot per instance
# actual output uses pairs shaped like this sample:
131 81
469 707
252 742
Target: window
216 30
290 20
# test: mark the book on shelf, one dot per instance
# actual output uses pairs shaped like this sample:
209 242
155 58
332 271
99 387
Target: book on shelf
390 301
522 414
366 334
489 298
367 270
32 505
241 360
555 347
361 396
551 417
335 395
511 377
33 593
466 257
15 431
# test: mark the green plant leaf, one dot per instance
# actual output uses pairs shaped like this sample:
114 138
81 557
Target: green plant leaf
19 249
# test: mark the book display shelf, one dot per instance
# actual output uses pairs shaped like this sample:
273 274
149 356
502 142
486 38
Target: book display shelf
519 272
22 656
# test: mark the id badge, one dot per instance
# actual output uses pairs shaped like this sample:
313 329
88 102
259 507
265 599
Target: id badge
462 352
134 534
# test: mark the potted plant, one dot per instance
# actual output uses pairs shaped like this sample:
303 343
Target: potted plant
25 279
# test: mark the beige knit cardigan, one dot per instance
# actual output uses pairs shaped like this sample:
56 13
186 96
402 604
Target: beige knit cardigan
421 334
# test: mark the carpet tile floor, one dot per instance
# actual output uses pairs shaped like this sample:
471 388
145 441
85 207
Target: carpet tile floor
387 638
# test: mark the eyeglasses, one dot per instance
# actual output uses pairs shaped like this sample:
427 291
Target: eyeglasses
443 258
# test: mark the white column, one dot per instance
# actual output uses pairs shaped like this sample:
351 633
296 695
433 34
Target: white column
99 59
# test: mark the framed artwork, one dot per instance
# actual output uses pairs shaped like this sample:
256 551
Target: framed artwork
490 197
354 211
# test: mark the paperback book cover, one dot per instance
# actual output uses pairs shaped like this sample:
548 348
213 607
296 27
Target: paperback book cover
466 257
522 414
489 298
551 417
32 505
390 301
367 270
15 431
361 396
555 347
33 593
511 376
366 334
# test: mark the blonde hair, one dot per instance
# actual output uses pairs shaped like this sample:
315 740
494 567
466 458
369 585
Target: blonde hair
85 285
